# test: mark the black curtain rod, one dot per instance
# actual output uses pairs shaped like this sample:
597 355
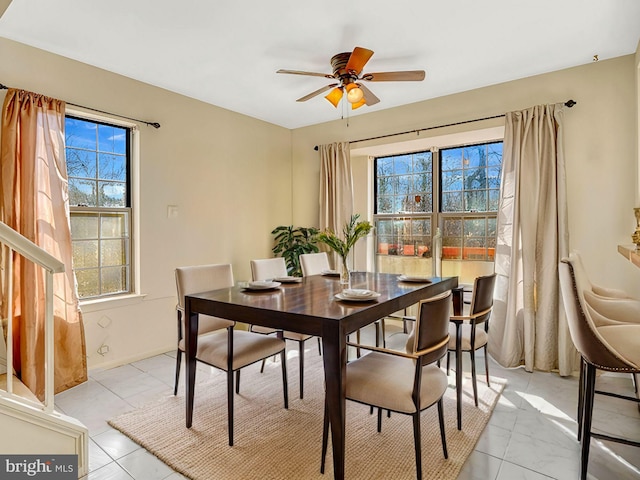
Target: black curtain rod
568 103
151 124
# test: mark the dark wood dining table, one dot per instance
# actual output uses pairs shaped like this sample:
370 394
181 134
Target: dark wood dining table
310 307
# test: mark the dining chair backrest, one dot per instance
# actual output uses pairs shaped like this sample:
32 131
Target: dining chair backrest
432 327
202 278
268 268
314 263
482 297
582 328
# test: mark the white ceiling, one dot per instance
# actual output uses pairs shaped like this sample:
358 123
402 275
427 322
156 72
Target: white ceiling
227 53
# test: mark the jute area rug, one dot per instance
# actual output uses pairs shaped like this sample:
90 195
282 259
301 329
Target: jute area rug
274 443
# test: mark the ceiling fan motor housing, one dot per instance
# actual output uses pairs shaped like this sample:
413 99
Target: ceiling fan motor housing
339 64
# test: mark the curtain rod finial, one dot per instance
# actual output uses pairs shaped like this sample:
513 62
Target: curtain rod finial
570 103
154 125
316 148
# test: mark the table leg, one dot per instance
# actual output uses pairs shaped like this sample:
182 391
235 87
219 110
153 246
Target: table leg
459 373
335 362
191 345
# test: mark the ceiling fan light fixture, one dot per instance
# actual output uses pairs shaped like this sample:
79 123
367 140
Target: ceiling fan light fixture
354 93
358 104
335 96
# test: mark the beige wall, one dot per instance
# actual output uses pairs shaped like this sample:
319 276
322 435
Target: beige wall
229 175
601 138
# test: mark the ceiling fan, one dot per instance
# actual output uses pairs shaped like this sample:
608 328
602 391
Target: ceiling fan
347 70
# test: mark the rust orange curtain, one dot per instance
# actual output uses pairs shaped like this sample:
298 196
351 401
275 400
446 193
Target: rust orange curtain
34 202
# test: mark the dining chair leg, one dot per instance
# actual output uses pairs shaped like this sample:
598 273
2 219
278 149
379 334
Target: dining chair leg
474 381
417 444
358 342
590 381
325 436
580 398
443 436
301 350
230 406
486 365
319 347
459 374
285 383
377 326
384 333
178 362
237 381
379 419
448 361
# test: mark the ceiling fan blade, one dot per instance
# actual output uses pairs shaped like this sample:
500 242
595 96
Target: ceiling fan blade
312 74
335 96
317 92
359 57
369 97
406 76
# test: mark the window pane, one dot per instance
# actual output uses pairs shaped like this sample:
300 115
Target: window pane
385 204
80 133
384 166
114 225
494 154
422 163
452 202
112 167
85 254
452 180
88 282
84 225
475 178
112 139
114 280
474 227
451 159
475 201
82 192
112 194
475 156
81 163
113 253
385 186
402 164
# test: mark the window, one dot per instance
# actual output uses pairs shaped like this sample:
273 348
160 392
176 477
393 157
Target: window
454 188
98 166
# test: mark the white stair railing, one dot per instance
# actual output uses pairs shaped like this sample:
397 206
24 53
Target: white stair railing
23 246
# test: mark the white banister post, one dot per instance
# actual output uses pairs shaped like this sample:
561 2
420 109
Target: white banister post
49 367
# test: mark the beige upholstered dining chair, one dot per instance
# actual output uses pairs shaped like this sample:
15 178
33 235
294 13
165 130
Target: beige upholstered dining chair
406 383
473 329
603 343
270 268
194 280
226 348
314 263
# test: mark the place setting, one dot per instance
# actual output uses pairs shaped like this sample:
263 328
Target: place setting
259 285
357 295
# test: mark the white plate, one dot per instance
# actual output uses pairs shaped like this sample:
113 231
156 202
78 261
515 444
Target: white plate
331 273
357 293
262 285
414 278
288 279
369 298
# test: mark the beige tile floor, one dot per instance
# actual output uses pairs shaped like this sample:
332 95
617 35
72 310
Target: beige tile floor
531 434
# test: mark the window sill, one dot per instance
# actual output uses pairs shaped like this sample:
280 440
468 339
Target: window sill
95 305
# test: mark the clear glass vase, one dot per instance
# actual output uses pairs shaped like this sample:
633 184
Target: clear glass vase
345 273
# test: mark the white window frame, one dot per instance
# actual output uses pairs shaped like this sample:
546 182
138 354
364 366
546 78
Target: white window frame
109 301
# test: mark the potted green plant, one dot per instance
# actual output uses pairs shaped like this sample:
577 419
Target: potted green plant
292 241
352 231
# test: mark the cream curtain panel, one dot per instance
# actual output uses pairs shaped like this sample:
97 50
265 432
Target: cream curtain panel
336 189
336 186
35 203
528 324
